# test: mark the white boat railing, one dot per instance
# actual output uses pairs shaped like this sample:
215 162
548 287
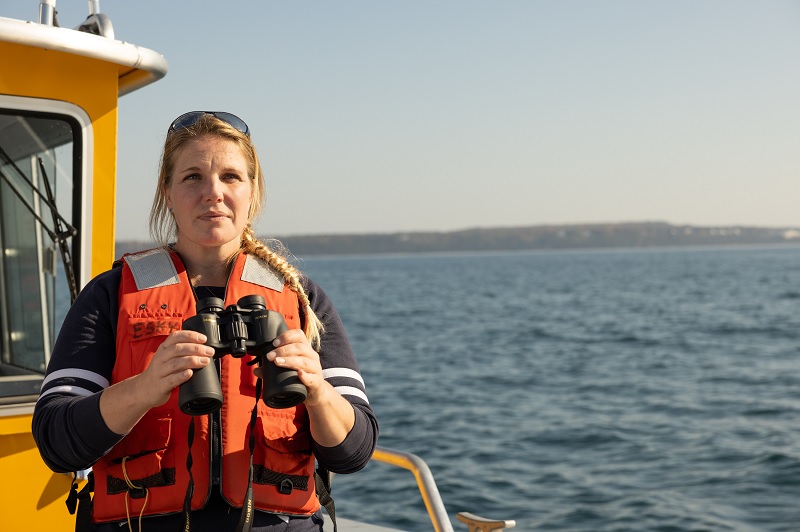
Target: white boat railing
430 493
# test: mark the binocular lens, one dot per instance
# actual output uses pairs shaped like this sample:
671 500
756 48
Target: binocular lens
201 406
288 396
202 393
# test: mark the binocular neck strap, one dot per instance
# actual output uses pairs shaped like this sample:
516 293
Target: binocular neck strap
246 518
187 501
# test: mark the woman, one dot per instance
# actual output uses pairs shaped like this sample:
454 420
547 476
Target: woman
110 397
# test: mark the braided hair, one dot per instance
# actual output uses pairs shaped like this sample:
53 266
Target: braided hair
291 276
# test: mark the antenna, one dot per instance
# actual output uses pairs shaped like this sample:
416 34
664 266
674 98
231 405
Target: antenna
47 12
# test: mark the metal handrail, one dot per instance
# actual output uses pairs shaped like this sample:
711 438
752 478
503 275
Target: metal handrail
425 482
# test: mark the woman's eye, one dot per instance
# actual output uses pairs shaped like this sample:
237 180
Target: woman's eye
191 177
232 177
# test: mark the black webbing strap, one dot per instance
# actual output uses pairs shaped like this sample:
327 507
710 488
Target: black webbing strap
187 501
82 503
322 481
246 518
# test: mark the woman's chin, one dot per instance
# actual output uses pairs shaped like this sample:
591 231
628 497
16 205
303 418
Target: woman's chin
214 240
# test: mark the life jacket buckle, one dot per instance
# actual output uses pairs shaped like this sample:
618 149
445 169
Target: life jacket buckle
137 493
286 486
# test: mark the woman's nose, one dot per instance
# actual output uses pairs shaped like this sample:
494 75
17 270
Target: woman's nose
213 190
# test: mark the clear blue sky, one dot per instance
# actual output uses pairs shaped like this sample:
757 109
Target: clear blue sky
439 115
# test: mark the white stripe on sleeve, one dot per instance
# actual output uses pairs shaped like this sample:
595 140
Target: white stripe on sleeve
342 372
75 373
71 390
350 390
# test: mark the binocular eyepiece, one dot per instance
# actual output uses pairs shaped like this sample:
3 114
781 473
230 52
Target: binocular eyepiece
246 328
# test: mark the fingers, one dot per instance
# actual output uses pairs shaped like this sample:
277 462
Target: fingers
184 337
293 351
175 360
185 344
289 337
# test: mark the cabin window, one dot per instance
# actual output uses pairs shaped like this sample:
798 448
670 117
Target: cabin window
36 150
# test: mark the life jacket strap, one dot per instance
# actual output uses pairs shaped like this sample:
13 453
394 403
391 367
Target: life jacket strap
82 503
187 501
115 485
322 480
284 482
246 517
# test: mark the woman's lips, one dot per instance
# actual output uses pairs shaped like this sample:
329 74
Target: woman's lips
213 216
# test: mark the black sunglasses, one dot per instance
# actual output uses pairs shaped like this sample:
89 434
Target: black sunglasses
189 119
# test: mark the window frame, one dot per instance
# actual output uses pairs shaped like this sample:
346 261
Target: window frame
19 392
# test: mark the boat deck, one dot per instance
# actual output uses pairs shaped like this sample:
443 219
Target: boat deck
356 526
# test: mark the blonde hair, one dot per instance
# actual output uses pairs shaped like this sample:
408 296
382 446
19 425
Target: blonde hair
163 229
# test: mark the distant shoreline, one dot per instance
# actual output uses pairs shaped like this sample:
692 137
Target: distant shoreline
538 237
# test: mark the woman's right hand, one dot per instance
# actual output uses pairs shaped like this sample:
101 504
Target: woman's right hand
124 403
172 365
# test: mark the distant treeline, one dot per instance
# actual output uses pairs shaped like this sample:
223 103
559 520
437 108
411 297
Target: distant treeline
542 237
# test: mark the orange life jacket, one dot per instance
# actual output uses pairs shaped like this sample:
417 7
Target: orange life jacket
155 297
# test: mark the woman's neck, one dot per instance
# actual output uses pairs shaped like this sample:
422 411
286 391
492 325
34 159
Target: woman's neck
218 277
205 268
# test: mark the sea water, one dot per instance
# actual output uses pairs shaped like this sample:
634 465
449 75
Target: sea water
622 390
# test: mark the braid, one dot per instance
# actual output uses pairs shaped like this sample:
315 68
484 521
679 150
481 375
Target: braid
252 246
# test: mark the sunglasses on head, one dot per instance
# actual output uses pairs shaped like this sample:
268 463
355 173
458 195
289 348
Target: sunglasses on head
189 119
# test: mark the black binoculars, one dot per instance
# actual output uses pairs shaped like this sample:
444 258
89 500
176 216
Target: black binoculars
246 328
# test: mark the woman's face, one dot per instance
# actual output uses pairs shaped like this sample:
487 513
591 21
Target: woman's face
210 193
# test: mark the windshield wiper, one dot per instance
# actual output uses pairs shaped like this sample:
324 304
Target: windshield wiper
62 234
63 229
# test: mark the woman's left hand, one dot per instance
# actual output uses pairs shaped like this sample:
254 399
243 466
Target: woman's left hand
331 416
293 351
